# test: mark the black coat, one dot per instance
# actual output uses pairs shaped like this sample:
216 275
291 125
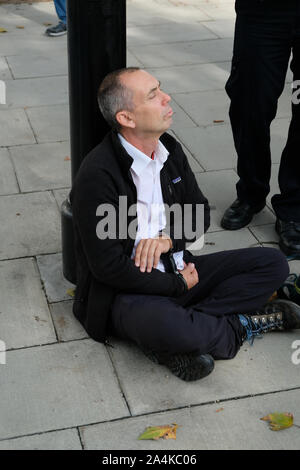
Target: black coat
104 267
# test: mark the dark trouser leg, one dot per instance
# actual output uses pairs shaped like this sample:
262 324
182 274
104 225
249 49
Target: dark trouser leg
262 47
205 319
287 204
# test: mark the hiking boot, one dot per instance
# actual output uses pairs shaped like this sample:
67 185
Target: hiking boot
275 315
188 367
59 30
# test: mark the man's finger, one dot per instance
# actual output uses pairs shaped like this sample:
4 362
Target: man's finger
138 251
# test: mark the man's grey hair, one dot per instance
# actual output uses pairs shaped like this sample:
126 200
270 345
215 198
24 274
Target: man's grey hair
113 96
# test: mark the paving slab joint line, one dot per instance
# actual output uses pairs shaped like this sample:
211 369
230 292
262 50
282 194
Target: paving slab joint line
117 377
15 171
31 126
181 107
46 298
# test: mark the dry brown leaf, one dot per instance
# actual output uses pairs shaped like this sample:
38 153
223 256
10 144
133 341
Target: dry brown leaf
157 432
3 30
67 159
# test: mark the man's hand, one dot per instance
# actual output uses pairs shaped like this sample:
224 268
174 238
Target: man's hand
148 252
190 275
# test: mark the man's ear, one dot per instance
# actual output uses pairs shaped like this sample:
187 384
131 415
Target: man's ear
125 119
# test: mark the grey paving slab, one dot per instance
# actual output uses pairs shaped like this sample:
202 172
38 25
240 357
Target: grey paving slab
37 92
190 78
58 386
61 195
219 188
39 64
18 44
149 387
266 234
32 225
279 133
195 166
50 123
180 117
231 425
205 107
15 128
67 327
180 53
25 318
132 61
294 266
223 28
5 73
168 32
284 102
55 440
204 144
224 240
56 286
8 181
274 186
146 13
218 11
42 166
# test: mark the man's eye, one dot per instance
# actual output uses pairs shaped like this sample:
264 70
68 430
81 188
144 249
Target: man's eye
152 96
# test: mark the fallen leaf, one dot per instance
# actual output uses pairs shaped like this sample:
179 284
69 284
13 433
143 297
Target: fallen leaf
20 27
3 30
67 159
218 120
71 292
47 24
220 409
157 432
278 421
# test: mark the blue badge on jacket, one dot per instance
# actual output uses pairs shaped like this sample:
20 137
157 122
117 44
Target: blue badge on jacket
176 180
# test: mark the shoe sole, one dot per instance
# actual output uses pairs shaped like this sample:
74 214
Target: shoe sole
191 372
236 225
55 35
294 309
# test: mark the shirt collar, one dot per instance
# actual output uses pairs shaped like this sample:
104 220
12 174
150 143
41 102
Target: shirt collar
140 159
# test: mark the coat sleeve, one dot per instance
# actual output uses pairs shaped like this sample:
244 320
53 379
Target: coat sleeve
106 258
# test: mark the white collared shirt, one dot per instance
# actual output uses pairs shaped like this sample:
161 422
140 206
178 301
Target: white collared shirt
150 205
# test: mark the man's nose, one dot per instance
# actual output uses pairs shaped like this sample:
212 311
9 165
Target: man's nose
166 98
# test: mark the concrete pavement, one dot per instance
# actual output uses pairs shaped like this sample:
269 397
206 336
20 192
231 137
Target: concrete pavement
59 388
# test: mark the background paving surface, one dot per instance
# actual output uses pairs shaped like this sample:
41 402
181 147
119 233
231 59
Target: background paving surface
59 388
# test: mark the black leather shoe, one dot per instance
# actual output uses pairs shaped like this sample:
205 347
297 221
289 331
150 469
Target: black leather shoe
289 237
240 214
188 367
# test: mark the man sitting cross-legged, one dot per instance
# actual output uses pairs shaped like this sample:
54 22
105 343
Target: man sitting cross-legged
183 311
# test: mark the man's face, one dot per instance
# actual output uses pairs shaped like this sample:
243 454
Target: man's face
152 113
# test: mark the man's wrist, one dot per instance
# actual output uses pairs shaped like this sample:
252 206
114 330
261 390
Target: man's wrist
165 236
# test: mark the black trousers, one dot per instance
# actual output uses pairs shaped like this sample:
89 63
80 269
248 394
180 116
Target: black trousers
204 319
267 32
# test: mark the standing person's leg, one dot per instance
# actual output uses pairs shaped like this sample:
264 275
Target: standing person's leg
287 204
61 28
60 6
262 47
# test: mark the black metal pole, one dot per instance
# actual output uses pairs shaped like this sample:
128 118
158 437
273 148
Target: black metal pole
96 46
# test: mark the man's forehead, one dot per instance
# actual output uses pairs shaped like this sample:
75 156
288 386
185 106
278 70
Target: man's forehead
139 81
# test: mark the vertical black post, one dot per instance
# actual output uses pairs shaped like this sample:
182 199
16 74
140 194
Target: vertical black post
96 46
